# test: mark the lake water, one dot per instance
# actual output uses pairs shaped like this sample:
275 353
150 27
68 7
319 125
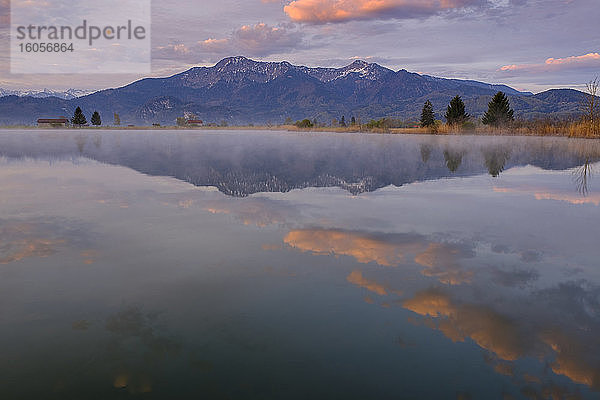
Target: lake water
276 265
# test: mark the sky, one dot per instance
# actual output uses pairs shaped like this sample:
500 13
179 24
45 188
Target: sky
530 45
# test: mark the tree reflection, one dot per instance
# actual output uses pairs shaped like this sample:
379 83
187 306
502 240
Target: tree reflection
496 159
98 141
453 159
426 152
582 175
137 350
80 140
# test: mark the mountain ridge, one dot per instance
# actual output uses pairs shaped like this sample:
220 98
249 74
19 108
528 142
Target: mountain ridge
239 90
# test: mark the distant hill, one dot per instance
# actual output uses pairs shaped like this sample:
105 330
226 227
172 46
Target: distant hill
240 91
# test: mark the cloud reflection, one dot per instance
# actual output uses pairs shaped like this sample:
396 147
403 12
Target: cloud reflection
483 325
541 193
363 248
357 278
516 334
573 359
20 240
441 260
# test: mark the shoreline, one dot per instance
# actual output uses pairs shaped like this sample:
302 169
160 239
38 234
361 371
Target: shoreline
546 131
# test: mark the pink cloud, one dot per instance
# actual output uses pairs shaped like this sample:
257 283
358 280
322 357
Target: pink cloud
257 40
323 11
589 60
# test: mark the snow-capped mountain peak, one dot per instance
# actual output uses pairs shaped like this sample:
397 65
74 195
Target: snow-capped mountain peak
44 93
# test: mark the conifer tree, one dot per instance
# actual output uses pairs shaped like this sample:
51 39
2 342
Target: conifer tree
117 119
499 111
352 121
343 121
78 117
427 117
455 114
96 119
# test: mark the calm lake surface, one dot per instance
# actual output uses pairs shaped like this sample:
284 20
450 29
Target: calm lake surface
276 265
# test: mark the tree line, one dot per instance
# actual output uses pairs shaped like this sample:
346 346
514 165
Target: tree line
79 119
498 113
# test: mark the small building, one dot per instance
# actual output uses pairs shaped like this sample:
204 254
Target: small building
52 122
194 122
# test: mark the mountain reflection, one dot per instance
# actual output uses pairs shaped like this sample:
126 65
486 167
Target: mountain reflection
243 163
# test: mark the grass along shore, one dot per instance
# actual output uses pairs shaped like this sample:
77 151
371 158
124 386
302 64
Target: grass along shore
519 128
570 129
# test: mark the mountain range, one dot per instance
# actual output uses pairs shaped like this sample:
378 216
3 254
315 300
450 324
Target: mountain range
66 94
241 91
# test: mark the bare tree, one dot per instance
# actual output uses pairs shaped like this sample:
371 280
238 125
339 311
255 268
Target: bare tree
591 104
